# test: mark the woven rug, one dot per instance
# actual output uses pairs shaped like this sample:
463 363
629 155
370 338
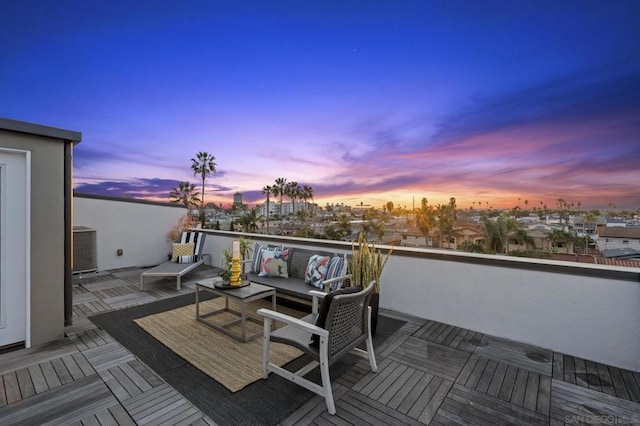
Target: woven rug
228 361
263 402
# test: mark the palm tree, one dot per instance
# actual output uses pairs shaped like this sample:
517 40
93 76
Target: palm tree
307 194
292 190
278 190
249 220
267 190
344 225
522 238
184 194
426 219
558 236
496 232
203 165
378 228
445 223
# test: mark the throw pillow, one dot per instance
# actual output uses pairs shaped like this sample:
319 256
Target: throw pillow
337 268
324 310
316 270
256 258
182 249
274 263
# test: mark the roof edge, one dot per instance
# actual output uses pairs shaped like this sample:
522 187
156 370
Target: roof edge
40 130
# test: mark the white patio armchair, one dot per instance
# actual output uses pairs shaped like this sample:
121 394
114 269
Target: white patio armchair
347 325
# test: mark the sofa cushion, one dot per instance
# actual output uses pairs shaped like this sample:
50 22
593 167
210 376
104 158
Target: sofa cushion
316 270
256 259
299 259
274 263
291 287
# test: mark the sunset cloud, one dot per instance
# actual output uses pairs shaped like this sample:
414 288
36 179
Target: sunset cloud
487 103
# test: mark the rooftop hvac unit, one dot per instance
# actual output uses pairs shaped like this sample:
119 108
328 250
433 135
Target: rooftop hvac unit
85 254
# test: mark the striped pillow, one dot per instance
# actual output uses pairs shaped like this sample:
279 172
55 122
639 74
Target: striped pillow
337 268
195 238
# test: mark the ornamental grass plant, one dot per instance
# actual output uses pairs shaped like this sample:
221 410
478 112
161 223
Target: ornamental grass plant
366 263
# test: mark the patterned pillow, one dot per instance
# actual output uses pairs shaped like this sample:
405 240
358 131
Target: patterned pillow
256 259
337 268
316 270
182 249
274 263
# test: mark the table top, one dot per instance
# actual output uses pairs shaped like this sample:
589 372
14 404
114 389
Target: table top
237 293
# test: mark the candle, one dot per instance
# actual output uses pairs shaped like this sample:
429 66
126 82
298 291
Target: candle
236 250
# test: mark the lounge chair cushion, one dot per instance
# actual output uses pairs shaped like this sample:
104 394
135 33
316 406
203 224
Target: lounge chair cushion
274 263
316 270
324 309
182 250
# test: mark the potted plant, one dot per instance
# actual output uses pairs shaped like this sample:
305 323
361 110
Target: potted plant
227 257
366 266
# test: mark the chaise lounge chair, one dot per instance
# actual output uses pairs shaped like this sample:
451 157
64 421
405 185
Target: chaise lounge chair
184 264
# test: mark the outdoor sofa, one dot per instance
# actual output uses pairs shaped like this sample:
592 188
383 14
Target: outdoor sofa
294 286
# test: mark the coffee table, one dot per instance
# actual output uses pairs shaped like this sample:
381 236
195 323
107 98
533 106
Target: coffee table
243 295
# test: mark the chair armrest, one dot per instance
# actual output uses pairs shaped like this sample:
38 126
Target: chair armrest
316 293
289 320
314 302
327 283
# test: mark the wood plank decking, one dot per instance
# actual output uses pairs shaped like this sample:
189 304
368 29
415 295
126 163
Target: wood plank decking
429 373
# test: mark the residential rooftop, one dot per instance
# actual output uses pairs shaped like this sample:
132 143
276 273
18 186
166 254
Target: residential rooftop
429 373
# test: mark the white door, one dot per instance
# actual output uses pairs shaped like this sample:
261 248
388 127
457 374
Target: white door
14 247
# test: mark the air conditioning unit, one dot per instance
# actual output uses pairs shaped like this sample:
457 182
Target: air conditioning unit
85 253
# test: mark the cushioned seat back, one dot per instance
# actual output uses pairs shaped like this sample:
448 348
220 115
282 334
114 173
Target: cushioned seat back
198 239
347 321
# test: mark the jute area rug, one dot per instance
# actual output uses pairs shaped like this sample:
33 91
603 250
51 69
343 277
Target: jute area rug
228 361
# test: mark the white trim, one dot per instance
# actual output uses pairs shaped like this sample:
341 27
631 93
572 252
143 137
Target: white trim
27 338
3 245
27 254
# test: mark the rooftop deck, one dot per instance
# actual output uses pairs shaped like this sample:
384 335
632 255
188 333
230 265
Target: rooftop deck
429 373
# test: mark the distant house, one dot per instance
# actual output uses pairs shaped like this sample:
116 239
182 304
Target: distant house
528 220
465 233
437 239
540 235
587 228
610 238
626 253
616 223
415 239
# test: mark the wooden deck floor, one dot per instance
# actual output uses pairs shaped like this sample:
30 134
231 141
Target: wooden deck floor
429 373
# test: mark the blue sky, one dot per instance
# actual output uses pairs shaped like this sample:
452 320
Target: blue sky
375 101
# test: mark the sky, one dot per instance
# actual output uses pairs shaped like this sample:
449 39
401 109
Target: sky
490 102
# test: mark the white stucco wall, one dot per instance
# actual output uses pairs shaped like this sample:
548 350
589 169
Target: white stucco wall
578 314
139 229
586 316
